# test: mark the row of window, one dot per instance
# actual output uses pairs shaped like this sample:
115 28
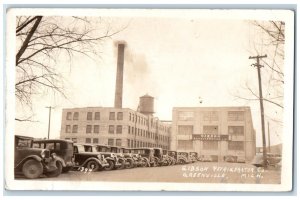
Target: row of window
140 144
189 130
94 129
211 145
211 116
95 116
147 134
144 121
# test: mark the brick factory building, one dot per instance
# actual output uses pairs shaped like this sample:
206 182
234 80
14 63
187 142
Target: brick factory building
114 126
217 133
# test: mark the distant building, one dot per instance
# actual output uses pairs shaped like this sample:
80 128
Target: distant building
115 126
218 133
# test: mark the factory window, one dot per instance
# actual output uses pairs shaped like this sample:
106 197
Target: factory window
210 145
236 145
89 116
110 142
75 129
235 115
75 116
111 129
236 130
88 128
68 129
74 140
128 143
69 115
129 116
185 116
96 128
95 140
88 140
132 130
119 129
185 130
185 144
131 144
129 129
210 130
118 142
120 116
210 116
97 115
112 116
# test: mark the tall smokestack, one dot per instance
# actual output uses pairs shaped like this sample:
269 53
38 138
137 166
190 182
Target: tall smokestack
119 78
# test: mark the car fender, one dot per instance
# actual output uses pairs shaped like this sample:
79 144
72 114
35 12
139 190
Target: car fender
89 159
57 158
35 157
109 158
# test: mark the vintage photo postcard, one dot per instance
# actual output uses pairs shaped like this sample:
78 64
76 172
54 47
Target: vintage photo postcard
149 100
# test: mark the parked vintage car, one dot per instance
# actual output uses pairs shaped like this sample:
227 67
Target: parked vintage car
139 161
183 158
169 159
272 160
131 159
83 157
159 157
193 156
63 150
147 156
125 162
32 162
173 156
111 158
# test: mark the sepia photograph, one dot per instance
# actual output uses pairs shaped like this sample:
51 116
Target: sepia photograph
149 99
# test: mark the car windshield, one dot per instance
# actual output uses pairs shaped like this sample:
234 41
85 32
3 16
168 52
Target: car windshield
114 150
24 143
94 149
80 148
102 149
88 149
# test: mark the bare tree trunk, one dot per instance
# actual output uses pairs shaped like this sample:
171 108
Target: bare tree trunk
30 34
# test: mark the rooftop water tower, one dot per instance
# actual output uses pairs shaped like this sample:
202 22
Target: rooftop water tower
146 105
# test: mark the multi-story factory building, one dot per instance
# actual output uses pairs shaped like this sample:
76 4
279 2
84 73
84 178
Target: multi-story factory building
115 126
217 133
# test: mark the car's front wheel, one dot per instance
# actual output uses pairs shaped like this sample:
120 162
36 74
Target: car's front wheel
32 169
56 172
110 166
93 165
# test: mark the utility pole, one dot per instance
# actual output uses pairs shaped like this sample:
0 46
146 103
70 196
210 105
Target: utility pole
258 66
49 120
269 137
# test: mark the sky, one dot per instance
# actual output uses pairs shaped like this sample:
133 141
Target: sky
177 60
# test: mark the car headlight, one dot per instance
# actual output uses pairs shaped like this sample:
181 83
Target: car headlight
43 154
53 155
99 156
